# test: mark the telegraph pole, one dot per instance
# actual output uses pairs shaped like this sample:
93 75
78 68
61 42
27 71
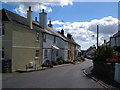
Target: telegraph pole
97 35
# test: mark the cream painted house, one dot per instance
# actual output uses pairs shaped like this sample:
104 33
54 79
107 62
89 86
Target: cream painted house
73 48
21 40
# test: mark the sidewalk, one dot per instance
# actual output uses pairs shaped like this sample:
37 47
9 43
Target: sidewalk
106 83
8 75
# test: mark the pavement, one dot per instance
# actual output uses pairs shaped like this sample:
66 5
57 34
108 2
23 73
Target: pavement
70 76
106 83
8 75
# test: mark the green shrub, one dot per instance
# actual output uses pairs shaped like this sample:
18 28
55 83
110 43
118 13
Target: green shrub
103 53
67 61
60 62
47 64
55 62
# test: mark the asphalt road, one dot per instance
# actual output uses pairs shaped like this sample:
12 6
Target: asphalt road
71 76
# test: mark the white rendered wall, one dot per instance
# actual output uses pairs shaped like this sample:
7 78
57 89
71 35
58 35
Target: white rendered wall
117 72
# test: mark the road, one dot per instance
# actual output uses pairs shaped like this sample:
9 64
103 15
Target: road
71 76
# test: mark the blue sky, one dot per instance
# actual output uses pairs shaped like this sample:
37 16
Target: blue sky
82 14
79 11
84 11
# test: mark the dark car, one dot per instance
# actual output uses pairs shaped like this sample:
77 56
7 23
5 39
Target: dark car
90 57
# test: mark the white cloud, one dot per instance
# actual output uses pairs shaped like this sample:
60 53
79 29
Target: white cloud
83 32
36 7
57 22
107 25
60 1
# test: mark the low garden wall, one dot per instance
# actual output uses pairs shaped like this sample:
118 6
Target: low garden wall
105 69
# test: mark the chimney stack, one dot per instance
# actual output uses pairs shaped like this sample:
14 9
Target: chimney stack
62 32
104 41
29 17
50 25
43 19
69 36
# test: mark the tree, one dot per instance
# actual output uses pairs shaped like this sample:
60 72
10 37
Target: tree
103 53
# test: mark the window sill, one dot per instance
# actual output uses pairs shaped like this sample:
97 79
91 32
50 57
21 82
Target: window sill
37 41
37 57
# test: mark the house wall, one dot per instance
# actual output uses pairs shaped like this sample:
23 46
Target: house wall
60 43
47 46
22 46
115 41
71 51
76 52
117 72
7 40
118 41
63 45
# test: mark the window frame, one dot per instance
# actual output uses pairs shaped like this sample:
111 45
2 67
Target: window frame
44 37
3 52
57 51
54 39
45 53
37 53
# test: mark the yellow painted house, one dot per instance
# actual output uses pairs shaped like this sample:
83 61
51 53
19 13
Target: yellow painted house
21 41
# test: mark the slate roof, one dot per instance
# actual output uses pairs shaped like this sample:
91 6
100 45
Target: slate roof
117 34
52 31
15 18
72 41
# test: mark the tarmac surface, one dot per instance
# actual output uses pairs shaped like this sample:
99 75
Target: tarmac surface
68 76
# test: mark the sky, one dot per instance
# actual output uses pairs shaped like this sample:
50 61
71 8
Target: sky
77 18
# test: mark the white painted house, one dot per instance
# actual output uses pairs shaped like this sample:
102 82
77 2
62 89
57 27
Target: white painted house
54 44
115 42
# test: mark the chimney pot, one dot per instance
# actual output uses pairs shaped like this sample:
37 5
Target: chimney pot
50 25
69 36
29 8
42 10
36 19
62 32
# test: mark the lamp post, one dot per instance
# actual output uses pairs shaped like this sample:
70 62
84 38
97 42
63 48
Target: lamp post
97 35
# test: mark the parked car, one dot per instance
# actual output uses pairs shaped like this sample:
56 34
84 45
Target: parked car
90 57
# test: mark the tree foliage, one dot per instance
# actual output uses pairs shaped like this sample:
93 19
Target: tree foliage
103 52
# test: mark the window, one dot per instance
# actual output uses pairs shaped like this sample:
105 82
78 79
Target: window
3 30
54 39
57 53
0 30
3 53
37 36
44 37
37 53
45 53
